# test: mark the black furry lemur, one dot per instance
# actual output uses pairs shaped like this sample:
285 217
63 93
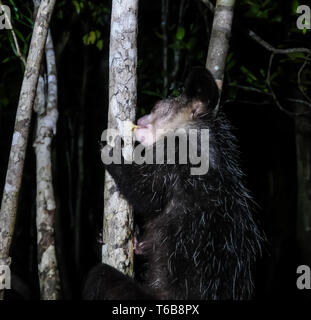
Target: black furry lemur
199 240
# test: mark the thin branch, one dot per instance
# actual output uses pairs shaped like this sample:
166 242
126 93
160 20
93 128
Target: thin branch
270 48
268 81
164 16
299 78
203 10
247 88
275 98
209 5
177 50
308 104
267 102
219 41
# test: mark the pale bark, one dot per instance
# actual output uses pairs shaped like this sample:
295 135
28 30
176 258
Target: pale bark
118 219
219 42
46 109
21 129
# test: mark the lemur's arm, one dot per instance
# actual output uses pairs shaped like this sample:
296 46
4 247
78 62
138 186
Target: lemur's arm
143 185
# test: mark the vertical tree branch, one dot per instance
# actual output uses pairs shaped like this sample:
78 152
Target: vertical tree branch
219 42
118 219
21 129
209 5
47 114
182 7
164 17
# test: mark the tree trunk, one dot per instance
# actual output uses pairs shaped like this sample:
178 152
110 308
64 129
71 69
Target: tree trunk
46 108
219 42
118 219
21 129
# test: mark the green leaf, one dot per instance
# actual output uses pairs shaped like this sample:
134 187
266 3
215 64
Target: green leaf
190 44
277 18
295 5
262 72
31 22
89 38
28 25
152 93
230 64
100 44
97 32
273 76
12 3
92 37
250 76
297 55
85 39
180 33
60 14
175 93
77 5
4 102
6 60
12 43
19 35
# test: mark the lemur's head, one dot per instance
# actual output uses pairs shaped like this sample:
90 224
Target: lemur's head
200 97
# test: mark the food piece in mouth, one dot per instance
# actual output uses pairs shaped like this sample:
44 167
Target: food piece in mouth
134 127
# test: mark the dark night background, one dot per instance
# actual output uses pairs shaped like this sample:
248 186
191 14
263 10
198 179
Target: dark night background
267 135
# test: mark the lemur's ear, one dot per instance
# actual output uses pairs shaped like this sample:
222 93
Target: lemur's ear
200 85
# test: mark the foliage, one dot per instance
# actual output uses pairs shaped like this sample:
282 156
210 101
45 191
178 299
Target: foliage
268 19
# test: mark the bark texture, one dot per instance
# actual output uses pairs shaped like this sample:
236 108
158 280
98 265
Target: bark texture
47 114
118 219
219 42
21 129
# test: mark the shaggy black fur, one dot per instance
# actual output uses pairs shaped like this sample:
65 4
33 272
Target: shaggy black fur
199 238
